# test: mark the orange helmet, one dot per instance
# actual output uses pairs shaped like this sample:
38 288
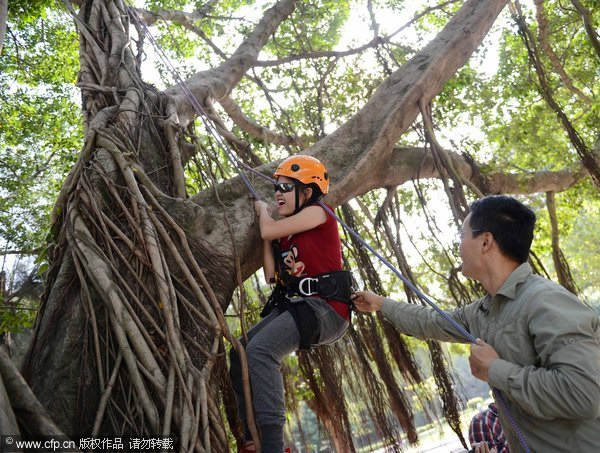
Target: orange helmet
305 169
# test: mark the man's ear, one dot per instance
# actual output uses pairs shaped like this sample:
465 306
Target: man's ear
488 240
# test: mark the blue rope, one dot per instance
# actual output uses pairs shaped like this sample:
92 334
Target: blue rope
465 333
238 164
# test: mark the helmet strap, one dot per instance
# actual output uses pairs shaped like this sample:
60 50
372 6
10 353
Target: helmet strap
309 201
298 187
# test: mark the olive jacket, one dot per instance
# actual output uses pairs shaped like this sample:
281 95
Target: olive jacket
549 367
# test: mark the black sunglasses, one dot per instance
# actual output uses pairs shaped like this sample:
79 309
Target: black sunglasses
283 187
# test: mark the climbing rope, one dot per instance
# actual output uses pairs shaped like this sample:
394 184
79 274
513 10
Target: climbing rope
239 165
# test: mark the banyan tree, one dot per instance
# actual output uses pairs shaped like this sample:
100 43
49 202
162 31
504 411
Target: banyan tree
153 231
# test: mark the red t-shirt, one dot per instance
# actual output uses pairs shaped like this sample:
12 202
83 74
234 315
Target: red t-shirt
315 252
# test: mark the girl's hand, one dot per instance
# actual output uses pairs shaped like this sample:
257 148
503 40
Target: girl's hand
260 206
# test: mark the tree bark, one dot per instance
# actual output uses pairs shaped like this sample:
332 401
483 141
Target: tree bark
8 421
26 406
3 21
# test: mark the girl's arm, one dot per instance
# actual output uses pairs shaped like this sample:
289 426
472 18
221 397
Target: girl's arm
307 219
268 261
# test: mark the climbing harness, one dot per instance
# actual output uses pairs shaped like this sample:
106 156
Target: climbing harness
291 293
240 166
336 285
331 285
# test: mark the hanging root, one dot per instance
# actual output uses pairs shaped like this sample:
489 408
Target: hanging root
23 402
369 333
450 404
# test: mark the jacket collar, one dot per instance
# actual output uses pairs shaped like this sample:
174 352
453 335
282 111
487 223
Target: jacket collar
518 276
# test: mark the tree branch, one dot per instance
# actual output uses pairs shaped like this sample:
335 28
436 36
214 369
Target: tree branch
589 25
589 159
34 251
186 20
376 41
543 31
364 143
323 53
242 148
179 17
218 82
260 132
409 163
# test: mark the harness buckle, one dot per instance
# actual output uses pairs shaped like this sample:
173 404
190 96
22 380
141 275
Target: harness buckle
308 281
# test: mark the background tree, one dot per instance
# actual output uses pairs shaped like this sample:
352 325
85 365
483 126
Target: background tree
151 218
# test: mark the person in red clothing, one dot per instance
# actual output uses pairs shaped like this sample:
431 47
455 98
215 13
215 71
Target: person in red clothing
310 304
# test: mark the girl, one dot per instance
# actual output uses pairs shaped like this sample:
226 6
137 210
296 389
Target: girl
310 304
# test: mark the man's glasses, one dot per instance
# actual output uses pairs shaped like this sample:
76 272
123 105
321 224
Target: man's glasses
283 187
460 235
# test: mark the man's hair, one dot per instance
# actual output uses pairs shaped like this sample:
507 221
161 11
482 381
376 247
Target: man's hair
510 222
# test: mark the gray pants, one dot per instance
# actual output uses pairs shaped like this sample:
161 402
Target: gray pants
269 341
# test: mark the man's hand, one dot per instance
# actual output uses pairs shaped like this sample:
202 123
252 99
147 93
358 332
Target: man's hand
367 301
482 356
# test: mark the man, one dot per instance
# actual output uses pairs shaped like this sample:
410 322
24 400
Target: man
536 342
